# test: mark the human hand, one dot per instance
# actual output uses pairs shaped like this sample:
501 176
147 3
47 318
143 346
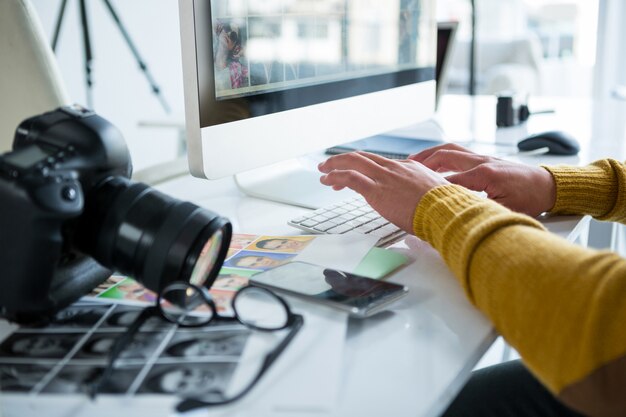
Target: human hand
391 187
522 188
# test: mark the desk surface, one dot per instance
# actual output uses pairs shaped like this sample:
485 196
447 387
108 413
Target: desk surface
410 361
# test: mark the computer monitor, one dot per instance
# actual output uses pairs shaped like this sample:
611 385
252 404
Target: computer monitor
267 81
446 37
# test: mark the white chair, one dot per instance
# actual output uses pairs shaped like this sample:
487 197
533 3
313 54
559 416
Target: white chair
513 65
30 81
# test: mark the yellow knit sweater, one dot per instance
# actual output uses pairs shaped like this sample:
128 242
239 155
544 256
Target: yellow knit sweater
563 307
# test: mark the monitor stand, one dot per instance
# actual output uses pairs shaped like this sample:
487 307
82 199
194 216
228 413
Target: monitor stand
295 182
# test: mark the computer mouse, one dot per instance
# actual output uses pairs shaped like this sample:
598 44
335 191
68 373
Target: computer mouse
557 142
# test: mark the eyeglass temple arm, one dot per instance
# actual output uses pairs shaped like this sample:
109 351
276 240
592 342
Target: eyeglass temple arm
118 347
193 403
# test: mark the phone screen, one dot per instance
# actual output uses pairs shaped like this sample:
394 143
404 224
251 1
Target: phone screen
329 285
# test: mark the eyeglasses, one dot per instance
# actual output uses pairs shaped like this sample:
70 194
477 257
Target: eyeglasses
189 305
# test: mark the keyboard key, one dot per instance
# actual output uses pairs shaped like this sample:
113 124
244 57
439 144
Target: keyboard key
379 222
346 217
319 219
366 228
308 223
384 231
299 219
322 227
337 230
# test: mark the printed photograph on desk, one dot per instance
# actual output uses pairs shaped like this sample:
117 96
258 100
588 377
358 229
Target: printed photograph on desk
110 282
129 290
223 341
284 244
45 345
258 260
240 241
23 377
207 380
98 346
123 316
77 317
232 279
76 378
71 353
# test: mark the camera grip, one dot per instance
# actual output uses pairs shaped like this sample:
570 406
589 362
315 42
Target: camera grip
28 264
31 249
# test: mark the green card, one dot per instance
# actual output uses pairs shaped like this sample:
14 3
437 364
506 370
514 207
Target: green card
380 262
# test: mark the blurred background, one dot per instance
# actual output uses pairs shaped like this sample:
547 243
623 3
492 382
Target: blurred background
543 47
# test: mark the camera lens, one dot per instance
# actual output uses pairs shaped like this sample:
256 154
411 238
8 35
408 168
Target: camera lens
154 238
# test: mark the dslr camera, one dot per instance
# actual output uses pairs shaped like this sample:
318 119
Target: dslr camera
70 216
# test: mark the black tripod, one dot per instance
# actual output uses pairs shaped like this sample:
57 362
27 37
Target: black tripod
88 54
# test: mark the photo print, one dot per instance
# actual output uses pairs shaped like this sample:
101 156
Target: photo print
76 379
282 244
99 345
193 345
70 354
259 261
207 380
42 345
16 377
231 279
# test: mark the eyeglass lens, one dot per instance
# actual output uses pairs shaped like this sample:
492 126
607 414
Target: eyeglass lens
190 305
186 305
260 309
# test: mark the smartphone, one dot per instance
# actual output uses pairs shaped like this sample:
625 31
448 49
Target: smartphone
359 296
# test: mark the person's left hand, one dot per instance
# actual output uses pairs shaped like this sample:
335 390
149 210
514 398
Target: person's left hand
392 187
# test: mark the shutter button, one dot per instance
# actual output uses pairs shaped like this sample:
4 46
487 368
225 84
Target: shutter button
68 193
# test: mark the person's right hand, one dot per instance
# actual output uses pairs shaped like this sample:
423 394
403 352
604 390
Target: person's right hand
522 188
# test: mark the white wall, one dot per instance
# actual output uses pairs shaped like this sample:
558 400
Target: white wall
121 93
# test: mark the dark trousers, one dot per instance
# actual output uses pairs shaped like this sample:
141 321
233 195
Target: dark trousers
504 390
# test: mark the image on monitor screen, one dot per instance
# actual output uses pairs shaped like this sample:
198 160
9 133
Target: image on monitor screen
262 57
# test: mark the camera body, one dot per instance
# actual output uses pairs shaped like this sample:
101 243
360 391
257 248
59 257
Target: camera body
58 160
511 109
70 215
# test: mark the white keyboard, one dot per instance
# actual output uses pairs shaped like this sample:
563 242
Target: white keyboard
353 215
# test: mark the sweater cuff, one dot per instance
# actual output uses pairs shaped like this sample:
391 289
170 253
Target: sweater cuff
456 221
584 190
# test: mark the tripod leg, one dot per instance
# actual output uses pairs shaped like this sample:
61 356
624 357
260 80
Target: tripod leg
57 26
142 65
88 56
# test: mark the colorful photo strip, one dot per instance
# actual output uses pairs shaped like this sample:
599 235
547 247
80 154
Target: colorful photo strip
247 255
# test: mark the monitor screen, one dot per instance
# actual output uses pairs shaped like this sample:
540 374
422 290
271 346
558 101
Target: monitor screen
446 32
282 71
270 56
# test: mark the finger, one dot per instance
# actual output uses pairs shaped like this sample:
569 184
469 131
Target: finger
351 179
380 160
356 161
472 179
423 155
447 160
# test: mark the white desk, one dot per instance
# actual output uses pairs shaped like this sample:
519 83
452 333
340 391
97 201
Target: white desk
410 361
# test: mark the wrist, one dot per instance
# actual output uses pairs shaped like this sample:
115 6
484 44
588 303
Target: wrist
548 190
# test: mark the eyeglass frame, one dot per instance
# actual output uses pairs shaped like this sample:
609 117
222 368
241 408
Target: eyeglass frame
294 322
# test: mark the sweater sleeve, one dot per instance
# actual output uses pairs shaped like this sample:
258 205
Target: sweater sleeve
598 190
560 305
